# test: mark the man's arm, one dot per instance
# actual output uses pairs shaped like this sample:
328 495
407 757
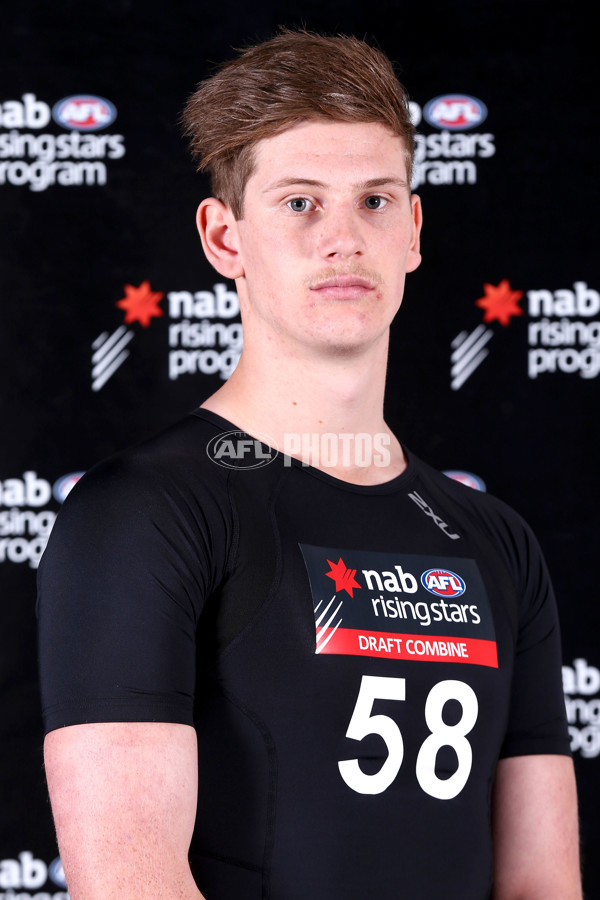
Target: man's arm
536 845
124 802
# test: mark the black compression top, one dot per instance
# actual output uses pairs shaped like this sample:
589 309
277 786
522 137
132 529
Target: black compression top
355 659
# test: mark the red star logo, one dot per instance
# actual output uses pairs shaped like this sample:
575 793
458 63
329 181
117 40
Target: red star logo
343 577
141 304
500 302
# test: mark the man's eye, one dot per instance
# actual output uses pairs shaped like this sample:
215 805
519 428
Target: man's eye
375 202
299 204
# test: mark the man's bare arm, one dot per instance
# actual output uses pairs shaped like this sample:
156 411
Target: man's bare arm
536 844
124 802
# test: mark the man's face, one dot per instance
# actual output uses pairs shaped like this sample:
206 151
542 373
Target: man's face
328 234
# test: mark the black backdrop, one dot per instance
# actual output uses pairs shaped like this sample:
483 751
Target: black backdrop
97 208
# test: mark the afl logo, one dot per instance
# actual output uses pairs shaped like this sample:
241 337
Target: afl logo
57 873
455 112
84 112
238 450
443 583
466 478
63 487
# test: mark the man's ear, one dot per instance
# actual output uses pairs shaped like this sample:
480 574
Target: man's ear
218 233
414 254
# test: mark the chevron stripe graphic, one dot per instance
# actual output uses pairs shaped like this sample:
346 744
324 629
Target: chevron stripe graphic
109 353
469 351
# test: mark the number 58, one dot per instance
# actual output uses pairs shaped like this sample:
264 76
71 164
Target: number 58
362 723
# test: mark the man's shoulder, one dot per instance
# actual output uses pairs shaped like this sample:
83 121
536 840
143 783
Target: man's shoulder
168 469
477 502
490 516
184 443
174 451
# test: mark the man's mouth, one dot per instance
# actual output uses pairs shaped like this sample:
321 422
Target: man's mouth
343 287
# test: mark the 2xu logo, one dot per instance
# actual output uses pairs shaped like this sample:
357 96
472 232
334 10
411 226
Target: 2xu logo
443 526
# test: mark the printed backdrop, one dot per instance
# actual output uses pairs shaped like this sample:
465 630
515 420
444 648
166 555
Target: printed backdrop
113 324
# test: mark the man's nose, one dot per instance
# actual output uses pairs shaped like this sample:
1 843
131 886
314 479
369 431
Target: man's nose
340 233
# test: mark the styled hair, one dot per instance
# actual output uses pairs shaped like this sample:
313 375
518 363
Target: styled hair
270 87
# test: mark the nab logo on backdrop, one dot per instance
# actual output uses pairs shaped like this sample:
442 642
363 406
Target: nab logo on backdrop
451 154
581 685
25 520
29 872
562 331
203 333
32 156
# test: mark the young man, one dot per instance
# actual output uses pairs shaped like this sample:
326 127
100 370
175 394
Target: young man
335 680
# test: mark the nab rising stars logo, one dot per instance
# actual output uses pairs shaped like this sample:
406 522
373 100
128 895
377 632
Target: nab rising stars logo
203 329
379 606
562 333
469 349
327 623
109 350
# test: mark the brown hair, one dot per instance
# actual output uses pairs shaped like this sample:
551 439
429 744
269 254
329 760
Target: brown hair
273 86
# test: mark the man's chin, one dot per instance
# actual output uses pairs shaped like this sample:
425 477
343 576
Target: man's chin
350 346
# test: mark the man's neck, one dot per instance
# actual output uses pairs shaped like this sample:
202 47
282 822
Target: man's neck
326 410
